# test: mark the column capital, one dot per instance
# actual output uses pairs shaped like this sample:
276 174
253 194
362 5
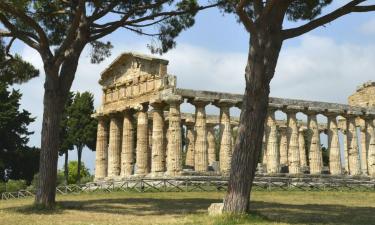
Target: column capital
313 111
225 103
351 114
158 104
199 101
333 113
173 99
293 109
274 106
142 107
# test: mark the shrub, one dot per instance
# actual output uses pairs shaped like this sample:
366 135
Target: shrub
2 187
15 185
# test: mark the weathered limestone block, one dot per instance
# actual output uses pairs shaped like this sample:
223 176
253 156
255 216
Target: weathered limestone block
353 150
142 142
301 146
273 156
114 152
293 145
190 134
315 152
201 148
371 147
215 209
127 153
211 144
283 146
225 153
334 146
174 159
364 147
158 150
101 149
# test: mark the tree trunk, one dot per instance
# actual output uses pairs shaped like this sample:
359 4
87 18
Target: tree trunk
262 59
79 151
53 109
66 169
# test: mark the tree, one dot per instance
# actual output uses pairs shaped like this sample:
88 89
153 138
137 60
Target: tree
16 157
263 20
73 172
81 126
65 142
60 30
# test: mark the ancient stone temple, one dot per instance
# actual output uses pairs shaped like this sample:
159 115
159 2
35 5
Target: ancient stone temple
142 132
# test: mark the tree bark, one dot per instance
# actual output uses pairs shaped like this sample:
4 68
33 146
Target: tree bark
56 90
263 54
66 170
79 151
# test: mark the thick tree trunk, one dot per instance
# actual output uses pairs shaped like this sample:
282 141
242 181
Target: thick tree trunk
53 107
262 59
66 169
79 151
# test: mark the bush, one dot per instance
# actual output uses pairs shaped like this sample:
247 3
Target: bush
73 173
15 185
2 187
59 180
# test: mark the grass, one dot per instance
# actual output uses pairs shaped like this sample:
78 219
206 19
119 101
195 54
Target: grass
274 207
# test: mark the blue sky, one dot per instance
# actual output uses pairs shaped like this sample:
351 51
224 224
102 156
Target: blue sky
325 65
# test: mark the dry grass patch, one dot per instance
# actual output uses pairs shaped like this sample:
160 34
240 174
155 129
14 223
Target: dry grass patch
276 207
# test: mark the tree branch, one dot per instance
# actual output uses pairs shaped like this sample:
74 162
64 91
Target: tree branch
44 43
344 10
7 49
139 31
246 20
14 32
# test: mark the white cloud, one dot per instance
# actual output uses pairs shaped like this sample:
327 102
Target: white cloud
368 27
317 68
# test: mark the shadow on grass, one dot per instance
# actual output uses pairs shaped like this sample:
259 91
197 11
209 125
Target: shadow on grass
267 211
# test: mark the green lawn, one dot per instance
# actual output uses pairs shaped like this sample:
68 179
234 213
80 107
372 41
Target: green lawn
276 207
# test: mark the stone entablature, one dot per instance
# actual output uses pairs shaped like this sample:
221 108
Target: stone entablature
140 131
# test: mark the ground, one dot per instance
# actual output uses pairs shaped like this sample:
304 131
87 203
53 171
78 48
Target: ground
268 207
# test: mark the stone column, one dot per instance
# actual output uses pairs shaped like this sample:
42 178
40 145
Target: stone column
283 146
353 150
273 156
343 128
101 158
174 158
201 150
293 144
371 147
142 142
211 144
114 147
190 134
301 146
315 151
264 148
333 146
364 149
158 150
226 145
127 152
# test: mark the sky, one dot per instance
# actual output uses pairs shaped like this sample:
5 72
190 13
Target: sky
326 64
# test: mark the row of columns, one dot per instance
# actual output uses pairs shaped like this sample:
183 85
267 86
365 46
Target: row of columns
289 149
158 148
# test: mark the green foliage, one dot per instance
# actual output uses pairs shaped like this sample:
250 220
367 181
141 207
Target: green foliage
73 175
15 185
2 187
81 126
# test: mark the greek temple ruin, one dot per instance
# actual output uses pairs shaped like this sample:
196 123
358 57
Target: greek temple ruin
142 132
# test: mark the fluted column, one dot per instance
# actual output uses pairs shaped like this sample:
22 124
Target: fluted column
333 146
226 145
101 158
364 149
127 152
158 150
201 150
353 150
371 147
174 158
302 147
142 142
190 134
114 147
283 146
315 152
211 144
343 128
273 155
264 148
293 144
